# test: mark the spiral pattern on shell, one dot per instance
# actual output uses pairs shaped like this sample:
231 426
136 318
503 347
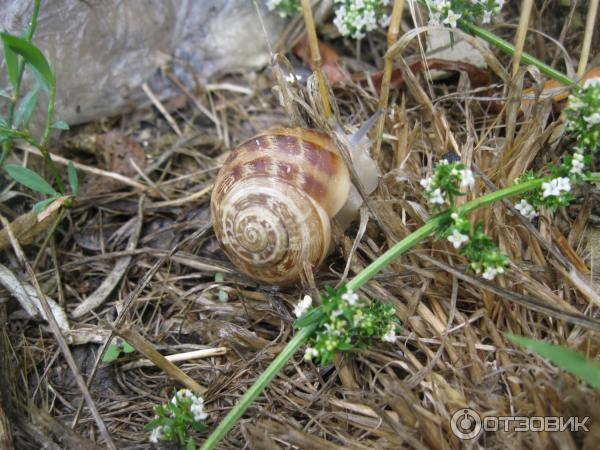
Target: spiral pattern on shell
273 200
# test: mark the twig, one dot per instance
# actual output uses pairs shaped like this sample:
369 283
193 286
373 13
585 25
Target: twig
526 7
388 66
103 173
178 357
309 23
137 341
156 102
100 295
587 37
62 343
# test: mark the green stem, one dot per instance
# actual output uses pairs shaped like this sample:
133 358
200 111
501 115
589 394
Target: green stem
258 386
370 271
44 142
507 47
6 145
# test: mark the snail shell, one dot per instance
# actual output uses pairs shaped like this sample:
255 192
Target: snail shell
273 199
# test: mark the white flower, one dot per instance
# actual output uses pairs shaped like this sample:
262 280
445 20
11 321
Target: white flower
457 238
180 395
272 4
591 82
303 305
310 353
593 119
452 18
197 409
390 335
577 165
467 180
350 297
427 183
499 4
454 216
385 20
564 184
156 435
490 273
487 16
526 209
437 197
332 330
556 186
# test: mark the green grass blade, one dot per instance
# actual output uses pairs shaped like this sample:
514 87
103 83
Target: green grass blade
567 359
73 180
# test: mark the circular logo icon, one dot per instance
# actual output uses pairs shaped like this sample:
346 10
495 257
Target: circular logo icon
465 424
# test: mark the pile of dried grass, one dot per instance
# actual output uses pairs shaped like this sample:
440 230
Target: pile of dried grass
150 260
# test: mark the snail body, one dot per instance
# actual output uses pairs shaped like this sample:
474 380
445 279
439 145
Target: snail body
273 200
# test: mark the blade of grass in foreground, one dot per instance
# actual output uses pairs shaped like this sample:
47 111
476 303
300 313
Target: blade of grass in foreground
567 359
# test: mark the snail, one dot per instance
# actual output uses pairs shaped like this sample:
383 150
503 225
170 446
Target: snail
274 198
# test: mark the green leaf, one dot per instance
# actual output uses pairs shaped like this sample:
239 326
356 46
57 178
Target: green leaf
32 55
12 62
567 359
153 424
73 180
223 297
26 107
4 93
60 125
112 353
219 277
41 205
190 444
314 315
30 179
198 426
127 348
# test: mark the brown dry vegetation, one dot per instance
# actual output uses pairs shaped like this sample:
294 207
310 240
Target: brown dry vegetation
452 352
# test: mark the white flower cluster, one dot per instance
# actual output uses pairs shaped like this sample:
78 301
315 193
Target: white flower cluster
284 8
526 209
448 12
390 334
434 191
157 435
303 306
355 18
491 272
577 164
556 187
196 403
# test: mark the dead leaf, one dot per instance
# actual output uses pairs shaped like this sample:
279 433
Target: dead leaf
556 90
330 61
117 151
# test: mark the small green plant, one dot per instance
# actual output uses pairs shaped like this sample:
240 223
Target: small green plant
21 54
174 419
567 359
343 322
353 18
448 12
115 348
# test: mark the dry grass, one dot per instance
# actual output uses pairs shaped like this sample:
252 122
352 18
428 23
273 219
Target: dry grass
452 353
